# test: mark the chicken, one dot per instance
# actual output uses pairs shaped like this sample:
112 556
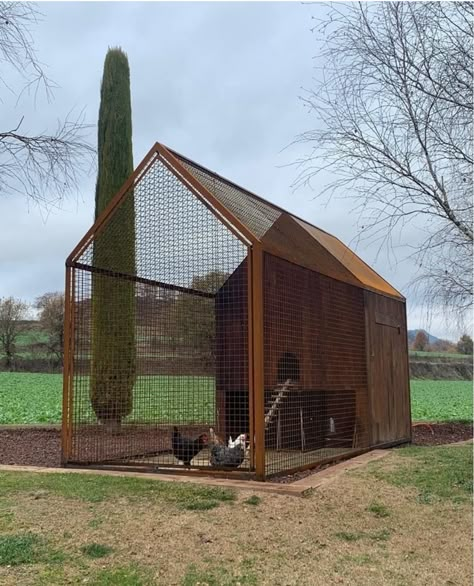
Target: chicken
185 449
238 441
223 456
214 438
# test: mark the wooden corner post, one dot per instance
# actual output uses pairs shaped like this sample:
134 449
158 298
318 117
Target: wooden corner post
66 428
257 359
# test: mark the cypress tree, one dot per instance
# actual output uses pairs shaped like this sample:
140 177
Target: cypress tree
113 300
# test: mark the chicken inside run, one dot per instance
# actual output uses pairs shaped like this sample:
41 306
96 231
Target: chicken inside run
222 454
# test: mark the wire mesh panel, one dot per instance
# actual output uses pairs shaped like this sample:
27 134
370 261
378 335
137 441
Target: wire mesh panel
315 371
256 214
158 335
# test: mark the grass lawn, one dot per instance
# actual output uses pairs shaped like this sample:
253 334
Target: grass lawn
36 398
439 400
403 520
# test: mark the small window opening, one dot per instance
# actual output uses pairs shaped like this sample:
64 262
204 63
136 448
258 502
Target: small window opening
288 368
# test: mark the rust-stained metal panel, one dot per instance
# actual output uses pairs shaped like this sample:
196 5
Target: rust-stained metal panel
315 367
361 271
286 239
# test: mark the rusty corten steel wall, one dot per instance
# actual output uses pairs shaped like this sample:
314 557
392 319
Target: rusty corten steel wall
190 269
315 367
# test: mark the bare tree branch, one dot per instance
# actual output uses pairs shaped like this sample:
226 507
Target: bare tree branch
45 166
393 107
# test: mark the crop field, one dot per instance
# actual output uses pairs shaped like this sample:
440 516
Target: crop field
439 400
454 356
36 398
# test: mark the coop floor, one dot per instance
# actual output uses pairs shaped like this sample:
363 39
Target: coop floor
276 461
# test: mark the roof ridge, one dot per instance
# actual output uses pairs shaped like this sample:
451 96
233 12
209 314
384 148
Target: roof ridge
352 257
251 193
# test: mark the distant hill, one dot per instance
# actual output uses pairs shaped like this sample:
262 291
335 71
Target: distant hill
412 336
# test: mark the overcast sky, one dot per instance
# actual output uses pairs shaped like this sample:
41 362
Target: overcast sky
218 82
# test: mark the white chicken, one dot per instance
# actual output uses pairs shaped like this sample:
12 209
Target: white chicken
239 441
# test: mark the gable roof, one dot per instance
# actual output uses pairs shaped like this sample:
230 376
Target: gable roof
252 219
287 235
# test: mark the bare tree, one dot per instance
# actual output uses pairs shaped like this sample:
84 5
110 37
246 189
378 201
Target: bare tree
393 106
51 318
12 313
45 165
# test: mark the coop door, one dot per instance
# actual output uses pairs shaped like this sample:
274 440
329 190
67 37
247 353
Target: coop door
388 371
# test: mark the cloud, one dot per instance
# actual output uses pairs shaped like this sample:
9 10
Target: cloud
218 82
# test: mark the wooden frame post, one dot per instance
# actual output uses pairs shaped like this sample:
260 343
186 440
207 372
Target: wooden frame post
408 389
250 361
66 428
257 347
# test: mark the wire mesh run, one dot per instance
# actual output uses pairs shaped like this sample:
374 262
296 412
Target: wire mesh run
158 378
207 328
315 373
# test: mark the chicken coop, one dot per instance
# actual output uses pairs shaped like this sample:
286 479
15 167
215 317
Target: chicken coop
198 313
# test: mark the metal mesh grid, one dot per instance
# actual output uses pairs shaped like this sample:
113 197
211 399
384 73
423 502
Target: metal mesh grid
257 215
315 367
150 344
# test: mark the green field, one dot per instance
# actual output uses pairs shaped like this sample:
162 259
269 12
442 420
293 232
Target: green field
36 398
444 356
439 400
28 344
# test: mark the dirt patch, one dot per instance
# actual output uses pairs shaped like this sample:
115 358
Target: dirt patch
30 447
41 446
435 434
92 443
289 478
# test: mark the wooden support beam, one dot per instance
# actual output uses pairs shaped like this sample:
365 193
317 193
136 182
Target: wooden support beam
142 280
258 360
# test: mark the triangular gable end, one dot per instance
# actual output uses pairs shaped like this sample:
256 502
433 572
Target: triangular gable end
247 216
177 226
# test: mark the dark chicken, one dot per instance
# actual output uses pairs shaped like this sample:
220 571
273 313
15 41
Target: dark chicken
184 448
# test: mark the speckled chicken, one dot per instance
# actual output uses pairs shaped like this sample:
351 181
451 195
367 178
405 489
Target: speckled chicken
223 456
